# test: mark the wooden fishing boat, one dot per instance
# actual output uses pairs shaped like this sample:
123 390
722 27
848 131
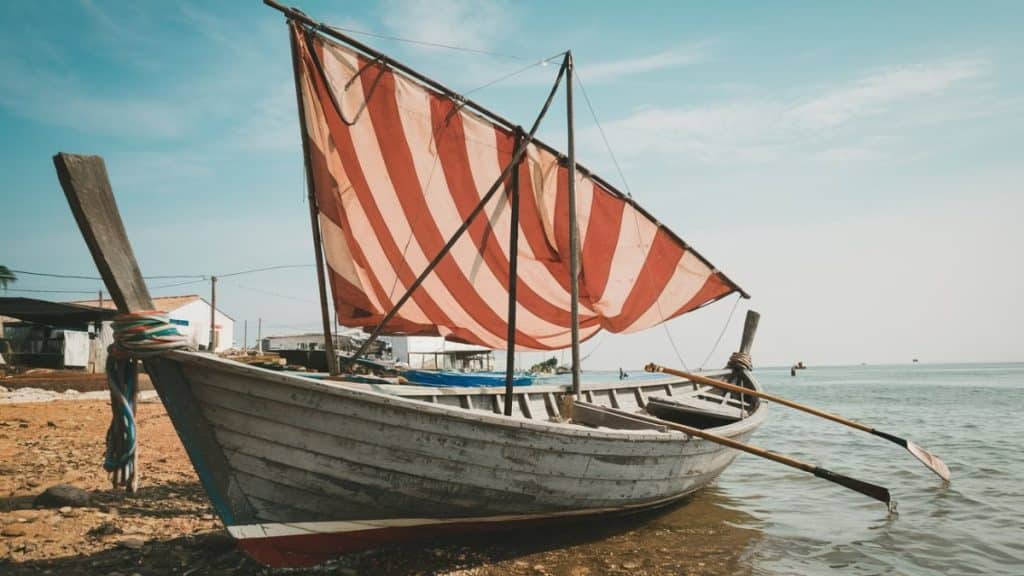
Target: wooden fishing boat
301 469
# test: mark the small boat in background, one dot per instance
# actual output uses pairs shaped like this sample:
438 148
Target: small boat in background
449 378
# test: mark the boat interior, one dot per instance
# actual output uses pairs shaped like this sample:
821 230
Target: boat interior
671 399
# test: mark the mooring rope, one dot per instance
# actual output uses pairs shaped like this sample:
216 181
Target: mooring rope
138 335
740 361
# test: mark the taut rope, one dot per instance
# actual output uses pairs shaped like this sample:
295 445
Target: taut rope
138 335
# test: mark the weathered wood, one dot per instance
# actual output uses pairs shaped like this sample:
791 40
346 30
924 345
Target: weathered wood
513 282
87 188
419 442
85 183
574 231
594 415
314 217
749 331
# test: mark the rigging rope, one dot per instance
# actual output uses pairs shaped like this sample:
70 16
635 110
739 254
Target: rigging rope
720 334
426 43
138 335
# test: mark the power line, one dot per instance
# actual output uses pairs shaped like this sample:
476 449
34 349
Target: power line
52 291
270 293
178 284
197 277
80 277
281 267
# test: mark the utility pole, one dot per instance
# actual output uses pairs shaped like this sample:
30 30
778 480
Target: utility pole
213 315
245 336
259 336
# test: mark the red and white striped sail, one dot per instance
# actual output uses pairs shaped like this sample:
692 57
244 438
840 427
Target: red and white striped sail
397 167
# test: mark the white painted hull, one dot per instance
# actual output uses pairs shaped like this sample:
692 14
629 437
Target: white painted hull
344 466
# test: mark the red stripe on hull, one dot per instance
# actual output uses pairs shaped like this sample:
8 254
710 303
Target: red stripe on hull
301 550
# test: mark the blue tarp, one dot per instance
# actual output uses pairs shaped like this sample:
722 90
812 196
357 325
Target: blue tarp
456 379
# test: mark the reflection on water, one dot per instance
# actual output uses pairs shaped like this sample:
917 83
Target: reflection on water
708 533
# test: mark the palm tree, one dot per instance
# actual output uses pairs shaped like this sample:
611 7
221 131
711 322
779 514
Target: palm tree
6 277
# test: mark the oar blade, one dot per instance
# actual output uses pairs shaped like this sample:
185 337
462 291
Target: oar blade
868 489
933 462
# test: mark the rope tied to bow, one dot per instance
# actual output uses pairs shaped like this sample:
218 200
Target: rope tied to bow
138 335
740 361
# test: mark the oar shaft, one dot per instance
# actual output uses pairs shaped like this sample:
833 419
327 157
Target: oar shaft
933 462
871 490
751 392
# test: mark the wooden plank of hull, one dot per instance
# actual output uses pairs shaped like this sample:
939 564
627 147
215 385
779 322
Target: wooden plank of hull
364 438
302 451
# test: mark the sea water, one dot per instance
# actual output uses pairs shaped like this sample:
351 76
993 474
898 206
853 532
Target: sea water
970 415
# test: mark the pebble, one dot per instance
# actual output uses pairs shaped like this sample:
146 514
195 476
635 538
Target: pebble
62 495
132 543
13 531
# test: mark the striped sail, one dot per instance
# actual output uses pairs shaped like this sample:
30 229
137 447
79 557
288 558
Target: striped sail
397 167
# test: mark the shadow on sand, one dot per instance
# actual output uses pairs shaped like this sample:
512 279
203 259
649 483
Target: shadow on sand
701 534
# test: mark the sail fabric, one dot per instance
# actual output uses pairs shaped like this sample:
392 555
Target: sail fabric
397 167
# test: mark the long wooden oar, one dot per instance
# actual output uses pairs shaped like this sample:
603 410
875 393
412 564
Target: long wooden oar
879 493
927 458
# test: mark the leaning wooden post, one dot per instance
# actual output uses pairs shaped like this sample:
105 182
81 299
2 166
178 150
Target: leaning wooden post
87 188
513 281
314 214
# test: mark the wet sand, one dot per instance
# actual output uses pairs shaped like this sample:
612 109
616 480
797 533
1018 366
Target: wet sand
169 528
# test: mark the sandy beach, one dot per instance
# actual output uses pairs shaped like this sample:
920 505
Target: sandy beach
169 528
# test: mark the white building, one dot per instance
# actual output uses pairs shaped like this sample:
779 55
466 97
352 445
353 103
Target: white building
346 339
191 314
436 353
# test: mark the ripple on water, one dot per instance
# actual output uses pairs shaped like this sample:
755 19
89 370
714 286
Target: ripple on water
975 525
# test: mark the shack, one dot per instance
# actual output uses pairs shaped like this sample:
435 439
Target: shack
43 334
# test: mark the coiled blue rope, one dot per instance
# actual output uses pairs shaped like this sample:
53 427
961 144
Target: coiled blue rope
139 335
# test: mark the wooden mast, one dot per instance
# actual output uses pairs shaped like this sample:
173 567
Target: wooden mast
513 280
314 219
574 233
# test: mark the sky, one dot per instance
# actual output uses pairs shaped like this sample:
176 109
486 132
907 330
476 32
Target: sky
856 167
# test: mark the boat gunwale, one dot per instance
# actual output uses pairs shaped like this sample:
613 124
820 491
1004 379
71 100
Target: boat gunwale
340 388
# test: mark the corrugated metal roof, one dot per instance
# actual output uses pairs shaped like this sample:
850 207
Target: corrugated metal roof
165 303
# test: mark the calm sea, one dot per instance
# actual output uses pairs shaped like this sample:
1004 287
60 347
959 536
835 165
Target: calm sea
970 415
766 519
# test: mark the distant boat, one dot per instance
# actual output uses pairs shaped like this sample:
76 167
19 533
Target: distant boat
449 378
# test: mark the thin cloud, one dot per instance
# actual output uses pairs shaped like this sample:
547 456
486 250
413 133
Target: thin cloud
613 69
472 24
875 93
763 130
